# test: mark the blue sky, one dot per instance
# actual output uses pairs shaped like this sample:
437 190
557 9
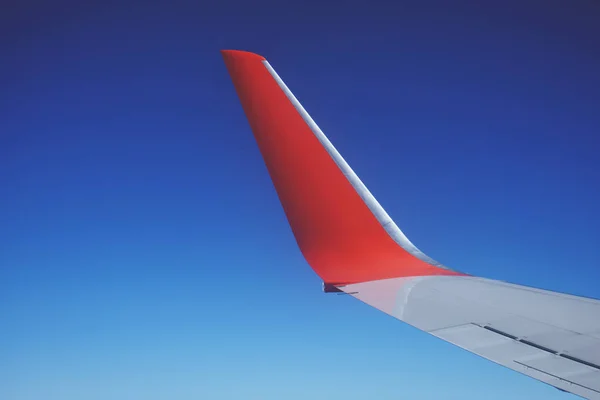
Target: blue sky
144 251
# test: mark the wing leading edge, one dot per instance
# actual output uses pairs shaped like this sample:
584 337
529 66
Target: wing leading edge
354 246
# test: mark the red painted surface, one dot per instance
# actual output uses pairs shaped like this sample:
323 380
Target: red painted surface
337 233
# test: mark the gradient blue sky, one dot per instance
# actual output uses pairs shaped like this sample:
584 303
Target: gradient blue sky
144 253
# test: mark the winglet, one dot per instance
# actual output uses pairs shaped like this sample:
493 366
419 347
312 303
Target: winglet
342 231
233 55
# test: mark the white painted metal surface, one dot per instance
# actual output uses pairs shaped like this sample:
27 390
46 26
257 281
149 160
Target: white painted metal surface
549 336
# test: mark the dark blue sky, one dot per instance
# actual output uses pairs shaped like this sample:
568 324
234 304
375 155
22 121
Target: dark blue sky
145 254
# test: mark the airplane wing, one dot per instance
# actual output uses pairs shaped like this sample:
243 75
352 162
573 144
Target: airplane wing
355 247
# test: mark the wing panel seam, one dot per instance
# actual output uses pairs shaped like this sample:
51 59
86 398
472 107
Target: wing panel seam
540 347
555 376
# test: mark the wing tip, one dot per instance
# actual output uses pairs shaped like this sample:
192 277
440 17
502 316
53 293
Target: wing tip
240 54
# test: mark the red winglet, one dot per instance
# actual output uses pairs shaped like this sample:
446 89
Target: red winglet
337 233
